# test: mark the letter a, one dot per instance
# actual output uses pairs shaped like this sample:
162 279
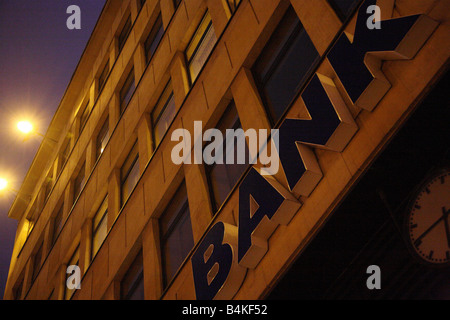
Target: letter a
374 281
74 21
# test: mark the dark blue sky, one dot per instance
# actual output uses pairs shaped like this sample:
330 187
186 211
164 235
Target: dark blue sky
38 55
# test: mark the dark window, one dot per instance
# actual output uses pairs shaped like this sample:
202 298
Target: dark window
233 4
65 154
84 117
223 177
18 289
47 186
129 173
176 234
103 76
176 3
153 39
132 284
284 65
102 138
37 261
58 223
127 91
200 46
68 293
99 227
163 114
124 33
78 183
344 7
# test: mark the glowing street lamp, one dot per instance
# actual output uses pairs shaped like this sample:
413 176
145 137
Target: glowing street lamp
25 127
3 184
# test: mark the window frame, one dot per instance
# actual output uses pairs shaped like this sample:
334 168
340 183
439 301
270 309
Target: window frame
130 162
167 92
127 90
196 42
124 33
102 137
103 213
153 35
134 275
176 213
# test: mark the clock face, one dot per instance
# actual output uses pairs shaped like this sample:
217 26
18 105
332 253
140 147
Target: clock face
428 223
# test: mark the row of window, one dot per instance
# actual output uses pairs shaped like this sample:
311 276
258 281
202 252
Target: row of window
279 75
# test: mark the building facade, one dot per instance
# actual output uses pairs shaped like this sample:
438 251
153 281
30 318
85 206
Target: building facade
360 107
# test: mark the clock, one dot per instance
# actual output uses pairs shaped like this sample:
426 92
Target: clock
428 220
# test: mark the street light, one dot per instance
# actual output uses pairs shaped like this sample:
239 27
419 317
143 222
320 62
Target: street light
26 127
3 184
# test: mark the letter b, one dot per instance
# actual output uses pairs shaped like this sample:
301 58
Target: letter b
217 274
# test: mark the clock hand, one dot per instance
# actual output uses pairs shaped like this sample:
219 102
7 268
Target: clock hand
444 216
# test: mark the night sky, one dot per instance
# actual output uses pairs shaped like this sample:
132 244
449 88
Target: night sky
38 56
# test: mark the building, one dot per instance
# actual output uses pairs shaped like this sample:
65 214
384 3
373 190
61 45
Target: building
354 147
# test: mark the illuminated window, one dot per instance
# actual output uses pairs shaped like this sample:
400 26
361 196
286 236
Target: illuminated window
176 234
163 114
132 284
74 261
154 39
284 65
102 139
129 173
99 227
344 7
124 33
127 91
223 177
200 46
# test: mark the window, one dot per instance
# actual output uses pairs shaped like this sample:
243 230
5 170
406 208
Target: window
65 154
223 177
284 65
344 7
58 223
102 139
18 289
78 183
200 47
99 227
153 39
233 4
74 260
47 186
163 114
132 284
129 173
176 3
103 76
124 33
127 91
84 117
176 234
37 262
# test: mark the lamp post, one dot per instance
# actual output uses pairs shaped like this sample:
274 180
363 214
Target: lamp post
27 128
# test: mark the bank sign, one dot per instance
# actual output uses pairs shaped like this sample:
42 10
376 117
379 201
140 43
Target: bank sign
221 259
